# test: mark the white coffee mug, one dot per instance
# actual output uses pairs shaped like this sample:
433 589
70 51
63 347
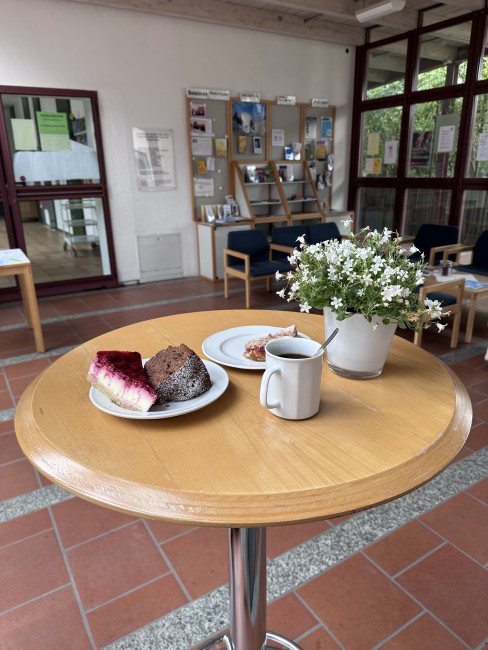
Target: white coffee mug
290 387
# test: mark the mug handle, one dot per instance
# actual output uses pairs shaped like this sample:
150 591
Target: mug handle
263 395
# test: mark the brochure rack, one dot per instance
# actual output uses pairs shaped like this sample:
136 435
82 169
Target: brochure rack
276 192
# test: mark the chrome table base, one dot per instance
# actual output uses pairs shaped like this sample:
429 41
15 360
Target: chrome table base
247 586
224 642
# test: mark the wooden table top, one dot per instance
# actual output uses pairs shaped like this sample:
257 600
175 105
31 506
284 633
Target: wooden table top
233 463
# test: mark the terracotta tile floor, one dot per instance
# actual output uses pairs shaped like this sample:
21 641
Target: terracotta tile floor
75 576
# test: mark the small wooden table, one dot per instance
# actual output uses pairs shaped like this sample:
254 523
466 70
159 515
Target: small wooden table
14 262
233 464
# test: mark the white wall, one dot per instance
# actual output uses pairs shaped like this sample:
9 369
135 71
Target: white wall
141 65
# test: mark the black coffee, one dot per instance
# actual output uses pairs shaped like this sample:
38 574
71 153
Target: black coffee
293 355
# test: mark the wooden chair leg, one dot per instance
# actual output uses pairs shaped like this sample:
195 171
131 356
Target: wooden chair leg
248 292
455 329
268 284
226 285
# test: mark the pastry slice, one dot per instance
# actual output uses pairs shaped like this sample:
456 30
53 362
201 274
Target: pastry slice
177 374
255 349
121 377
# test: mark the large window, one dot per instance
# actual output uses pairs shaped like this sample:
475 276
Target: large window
381 134
434 137
431 118
477 161
385 67
442 57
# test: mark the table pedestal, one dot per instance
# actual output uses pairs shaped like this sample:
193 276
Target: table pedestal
247 585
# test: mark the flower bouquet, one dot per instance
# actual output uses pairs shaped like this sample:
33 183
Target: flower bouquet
368 273
366 286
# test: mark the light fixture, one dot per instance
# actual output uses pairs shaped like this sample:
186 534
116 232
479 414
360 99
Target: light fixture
379 9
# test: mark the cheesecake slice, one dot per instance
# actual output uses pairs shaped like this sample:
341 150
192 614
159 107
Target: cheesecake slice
121 377
255 349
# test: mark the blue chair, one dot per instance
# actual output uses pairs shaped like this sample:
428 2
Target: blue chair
248 256
430 240
450 294
318 232
479 262
284 240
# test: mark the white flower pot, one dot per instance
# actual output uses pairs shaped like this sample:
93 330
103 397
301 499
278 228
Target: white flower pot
359 349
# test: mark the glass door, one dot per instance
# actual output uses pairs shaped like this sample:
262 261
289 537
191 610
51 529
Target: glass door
53 195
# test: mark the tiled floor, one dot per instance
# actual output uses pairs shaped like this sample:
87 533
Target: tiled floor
409 575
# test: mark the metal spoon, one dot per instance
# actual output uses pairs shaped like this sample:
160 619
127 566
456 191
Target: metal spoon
324 345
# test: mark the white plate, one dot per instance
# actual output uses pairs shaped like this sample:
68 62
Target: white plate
218 377
226 347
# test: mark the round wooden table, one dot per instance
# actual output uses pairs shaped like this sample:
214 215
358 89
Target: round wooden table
233 463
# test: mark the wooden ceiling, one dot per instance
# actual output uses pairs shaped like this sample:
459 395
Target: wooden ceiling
333 21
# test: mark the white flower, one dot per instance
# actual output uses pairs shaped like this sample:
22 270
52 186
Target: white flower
301 239
346 222
305 307
336 302
440 326
278 275
413 249
281 293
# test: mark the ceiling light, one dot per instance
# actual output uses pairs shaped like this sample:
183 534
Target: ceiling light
379 9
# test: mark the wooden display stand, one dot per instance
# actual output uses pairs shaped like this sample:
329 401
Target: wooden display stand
283 191
290 147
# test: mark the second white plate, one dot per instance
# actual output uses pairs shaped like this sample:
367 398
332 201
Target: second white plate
226 347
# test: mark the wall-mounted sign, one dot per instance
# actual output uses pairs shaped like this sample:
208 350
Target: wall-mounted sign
286 100
320 103
155 160
223 95
197 93
250 97
208 93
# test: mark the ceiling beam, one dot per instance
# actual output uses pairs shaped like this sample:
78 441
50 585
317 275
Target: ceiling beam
232 15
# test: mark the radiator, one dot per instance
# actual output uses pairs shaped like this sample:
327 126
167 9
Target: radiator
160 257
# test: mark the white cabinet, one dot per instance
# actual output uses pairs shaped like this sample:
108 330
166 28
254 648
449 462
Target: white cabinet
212 239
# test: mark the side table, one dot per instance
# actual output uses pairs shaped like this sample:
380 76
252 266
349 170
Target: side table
14 262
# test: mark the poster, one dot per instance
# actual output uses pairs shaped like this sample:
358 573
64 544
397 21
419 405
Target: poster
310 129
421 149
482 152
445 143
373 144
155 161
248 118
391 152
203 186
326 127
201 146
201 126
278 137
53 131
24 132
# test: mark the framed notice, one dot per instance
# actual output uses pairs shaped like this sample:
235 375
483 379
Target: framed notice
155 159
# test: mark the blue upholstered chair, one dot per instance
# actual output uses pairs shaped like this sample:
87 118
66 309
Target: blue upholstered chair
450 295
430 240
248 256
318 232
479 262
284 240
